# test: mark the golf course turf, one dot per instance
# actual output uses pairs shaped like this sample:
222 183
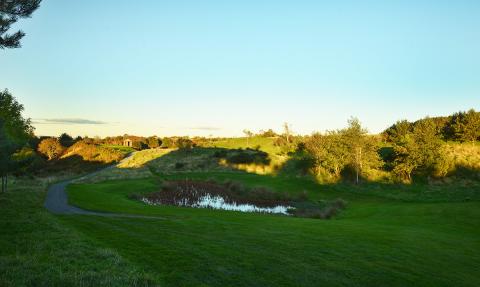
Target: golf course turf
377 240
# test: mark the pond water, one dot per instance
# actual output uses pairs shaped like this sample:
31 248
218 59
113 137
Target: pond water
218 202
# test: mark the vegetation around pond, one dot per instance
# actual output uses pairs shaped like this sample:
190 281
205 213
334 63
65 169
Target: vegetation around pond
231 195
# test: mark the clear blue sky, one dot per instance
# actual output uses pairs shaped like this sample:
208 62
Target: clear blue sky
217 67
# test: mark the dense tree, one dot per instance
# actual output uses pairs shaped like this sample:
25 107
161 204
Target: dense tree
398 130
6 150
16 127
15 133
268 133
361 149
51 148
139 145
66 140
168 143
87 140
461 126
10 12
329 152
350 147
153 142
419 150
466 125
184 143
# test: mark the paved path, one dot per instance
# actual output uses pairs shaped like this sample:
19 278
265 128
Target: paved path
57 201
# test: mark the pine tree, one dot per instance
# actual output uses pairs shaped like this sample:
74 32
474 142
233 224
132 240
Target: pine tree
10 12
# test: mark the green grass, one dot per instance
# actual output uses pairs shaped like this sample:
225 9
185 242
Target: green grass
264 144
381 239
121 148
38 249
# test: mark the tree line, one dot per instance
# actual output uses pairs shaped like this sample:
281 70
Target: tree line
462 126
403 150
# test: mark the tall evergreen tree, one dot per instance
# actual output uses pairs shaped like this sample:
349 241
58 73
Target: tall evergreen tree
10 12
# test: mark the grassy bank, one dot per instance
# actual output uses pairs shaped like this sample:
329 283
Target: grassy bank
38 249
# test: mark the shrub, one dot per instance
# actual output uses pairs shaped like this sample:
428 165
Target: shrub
153 142
66 140
268 133
168 143
339 203
235 187
51 148
184 143
248 156
222 153
139 145
326 210
179 165
303 196
27 160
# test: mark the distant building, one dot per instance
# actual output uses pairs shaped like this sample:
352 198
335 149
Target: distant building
127 142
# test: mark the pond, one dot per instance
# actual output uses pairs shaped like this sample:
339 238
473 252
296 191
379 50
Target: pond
226 196
218 202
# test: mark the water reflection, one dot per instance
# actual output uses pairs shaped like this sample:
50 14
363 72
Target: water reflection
218 202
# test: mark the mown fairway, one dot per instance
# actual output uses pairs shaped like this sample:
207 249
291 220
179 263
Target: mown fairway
376 241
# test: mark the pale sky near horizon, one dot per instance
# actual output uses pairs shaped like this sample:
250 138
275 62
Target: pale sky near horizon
217 67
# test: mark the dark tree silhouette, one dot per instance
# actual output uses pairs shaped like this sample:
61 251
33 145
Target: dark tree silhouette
15 132
10 12
66 140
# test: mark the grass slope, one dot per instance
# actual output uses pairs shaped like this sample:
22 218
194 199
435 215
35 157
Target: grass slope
376 241
263 143
37 249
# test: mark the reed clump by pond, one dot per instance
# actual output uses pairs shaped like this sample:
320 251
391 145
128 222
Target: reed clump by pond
227 195
231 195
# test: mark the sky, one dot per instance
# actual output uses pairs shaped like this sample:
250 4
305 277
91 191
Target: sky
180 67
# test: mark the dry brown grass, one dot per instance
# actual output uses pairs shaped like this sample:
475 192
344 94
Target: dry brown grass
92 152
